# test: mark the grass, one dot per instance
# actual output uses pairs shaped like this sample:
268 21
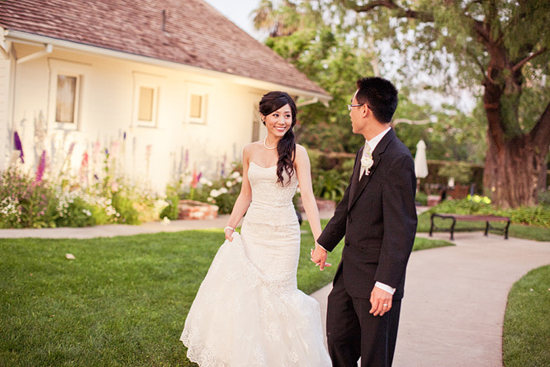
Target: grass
515 230
526 337
122 302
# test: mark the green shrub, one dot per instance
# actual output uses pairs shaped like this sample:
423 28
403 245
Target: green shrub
25 202
421 198
534 216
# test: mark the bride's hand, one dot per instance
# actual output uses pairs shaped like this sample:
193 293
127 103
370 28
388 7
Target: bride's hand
229 233
319 257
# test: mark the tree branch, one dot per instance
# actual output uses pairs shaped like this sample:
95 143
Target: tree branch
520 64
390 4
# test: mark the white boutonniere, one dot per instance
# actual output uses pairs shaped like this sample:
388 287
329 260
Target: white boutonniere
366 163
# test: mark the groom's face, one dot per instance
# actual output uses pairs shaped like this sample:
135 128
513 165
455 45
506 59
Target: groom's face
356 116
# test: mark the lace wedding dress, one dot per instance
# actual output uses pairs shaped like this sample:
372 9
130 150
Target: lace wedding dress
248 311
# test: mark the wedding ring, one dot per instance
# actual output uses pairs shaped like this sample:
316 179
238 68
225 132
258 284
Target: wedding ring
385 305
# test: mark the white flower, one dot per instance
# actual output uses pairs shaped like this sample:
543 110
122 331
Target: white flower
239 179
215 193
223 190
203 181
210 199
229 184
366 162
235 174
209 183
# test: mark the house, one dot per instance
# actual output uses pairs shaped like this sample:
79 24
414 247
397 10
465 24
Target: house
155 86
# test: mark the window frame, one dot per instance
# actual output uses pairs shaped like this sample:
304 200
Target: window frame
203 91
71 69
143 80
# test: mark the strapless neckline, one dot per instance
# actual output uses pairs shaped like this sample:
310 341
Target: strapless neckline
256 164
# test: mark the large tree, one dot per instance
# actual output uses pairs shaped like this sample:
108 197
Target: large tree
503 46
333 49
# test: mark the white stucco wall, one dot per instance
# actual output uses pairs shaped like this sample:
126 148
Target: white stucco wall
107 113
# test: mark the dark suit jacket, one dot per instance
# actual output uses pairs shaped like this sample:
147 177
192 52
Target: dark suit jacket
377 215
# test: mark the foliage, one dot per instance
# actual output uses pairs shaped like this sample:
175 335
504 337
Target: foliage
171 211
25 202
544 198
526 333
460 171
533 216
421 198
222 192
31 203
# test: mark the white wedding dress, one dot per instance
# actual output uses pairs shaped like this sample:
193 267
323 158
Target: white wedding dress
248 311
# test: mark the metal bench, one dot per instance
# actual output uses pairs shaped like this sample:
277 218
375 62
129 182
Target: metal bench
472 218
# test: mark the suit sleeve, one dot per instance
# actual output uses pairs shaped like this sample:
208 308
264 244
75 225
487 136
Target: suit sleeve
400 221
336 227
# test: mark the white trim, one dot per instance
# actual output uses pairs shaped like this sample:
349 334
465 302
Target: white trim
18 36
81 72
203 91
147 81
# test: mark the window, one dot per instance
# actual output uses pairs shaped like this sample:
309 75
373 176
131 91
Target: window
146 104
197 103
67 97
66 92
146 99
195 111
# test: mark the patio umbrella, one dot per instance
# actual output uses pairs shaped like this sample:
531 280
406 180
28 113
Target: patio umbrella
420 162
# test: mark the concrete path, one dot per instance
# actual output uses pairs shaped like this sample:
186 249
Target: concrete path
452 313
455 299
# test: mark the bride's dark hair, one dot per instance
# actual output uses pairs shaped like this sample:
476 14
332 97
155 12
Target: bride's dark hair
286 148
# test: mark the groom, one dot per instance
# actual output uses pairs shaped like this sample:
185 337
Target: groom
377 216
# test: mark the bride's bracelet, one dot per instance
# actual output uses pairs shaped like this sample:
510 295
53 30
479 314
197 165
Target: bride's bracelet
231 228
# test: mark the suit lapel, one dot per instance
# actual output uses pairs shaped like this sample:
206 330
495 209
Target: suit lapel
358 186
356 172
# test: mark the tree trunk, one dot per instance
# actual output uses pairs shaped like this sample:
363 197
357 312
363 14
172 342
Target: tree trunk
512 171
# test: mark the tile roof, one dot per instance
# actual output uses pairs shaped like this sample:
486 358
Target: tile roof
194 34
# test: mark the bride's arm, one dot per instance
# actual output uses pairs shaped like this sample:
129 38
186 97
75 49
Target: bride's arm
303 170
243 200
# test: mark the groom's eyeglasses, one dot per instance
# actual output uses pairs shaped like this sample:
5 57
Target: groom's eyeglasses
350 106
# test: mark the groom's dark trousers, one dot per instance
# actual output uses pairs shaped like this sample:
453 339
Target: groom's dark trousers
377 216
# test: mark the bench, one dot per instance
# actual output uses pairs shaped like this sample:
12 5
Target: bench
472 218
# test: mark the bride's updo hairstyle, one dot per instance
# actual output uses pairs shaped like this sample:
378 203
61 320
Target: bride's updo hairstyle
286 148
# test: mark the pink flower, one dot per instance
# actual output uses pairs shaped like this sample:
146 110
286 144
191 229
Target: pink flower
41 168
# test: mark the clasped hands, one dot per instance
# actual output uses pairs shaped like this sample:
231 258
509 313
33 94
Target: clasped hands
319 257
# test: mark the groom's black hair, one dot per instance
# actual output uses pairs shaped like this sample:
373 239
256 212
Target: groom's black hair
286 148
380 95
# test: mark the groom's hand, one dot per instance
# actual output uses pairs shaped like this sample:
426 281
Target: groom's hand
319 257
380 301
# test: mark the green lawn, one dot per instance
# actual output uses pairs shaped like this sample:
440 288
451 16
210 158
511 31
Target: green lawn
526 337
122 302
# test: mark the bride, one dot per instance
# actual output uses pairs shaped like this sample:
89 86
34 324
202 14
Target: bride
248 310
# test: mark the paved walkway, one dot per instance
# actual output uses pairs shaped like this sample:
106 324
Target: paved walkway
452 313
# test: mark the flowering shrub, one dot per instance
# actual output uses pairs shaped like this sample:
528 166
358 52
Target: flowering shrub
25 202
222 192
28 202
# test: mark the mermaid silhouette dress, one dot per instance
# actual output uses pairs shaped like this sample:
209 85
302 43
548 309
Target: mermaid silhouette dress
248 310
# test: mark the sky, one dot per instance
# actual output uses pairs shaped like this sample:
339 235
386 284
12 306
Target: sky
238 11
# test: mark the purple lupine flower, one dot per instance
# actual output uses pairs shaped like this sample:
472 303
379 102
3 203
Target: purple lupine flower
41 167
18 145
124 135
